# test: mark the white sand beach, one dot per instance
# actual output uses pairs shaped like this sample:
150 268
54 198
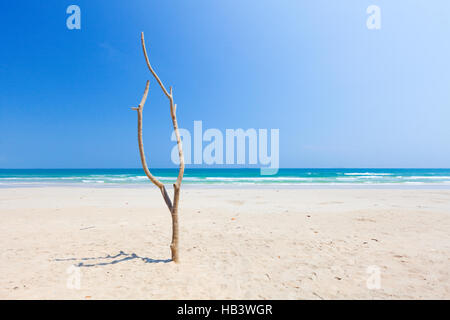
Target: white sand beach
235 244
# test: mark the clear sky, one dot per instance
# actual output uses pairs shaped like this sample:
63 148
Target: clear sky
342 95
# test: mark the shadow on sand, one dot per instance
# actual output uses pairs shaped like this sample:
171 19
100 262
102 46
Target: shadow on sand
120 257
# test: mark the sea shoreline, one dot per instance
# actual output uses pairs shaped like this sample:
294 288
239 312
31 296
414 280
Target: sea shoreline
237 186
224 178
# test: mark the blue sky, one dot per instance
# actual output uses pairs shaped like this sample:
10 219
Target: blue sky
342 95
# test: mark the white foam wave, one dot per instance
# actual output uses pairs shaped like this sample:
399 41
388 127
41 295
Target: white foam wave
427 177
366 174
260 178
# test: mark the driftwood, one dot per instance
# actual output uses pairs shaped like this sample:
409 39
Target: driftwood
173 206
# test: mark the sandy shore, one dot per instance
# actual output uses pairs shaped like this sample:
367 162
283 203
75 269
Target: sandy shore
249 244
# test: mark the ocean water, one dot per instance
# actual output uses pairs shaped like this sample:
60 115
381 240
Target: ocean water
228 177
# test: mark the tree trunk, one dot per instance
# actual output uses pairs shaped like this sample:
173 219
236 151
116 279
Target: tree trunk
174 246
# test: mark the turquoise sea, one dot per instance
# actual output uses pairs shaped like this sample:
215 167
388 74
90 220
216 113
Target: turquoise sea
228 177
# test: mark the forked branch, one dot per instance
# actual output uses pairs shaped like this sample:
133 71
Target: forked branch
173 208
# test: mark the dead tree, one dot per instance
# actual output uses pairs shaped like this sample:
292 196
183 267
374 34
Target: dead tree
173 207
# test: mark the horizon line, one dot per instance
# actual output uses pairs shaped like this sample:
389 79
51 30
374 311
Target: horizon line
209 168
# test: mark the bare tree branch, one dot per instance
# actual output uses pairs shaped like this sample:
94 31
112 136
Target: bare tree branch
151 69
173 208
139 109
